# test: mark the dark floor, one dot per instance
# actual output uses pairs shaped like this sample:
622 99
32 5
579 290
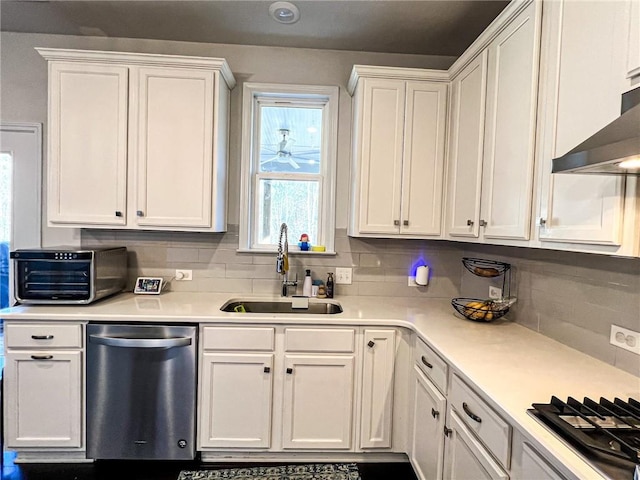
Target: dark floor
166 470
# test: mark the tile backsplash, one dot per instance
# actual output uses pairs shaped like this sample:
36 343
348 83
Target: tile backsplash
380 266
573 298
570 297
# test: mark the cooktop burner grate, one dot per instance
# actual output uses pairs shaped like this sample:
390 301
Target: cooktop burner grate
606 432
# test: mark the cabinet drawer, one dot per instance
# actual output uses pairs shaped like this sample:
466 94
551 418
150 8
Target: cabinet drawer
490 428
431 364
46 335
238 338
332 340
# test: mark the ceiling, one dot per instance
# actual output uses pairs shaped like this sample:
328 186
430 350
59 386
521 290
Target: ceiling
426 27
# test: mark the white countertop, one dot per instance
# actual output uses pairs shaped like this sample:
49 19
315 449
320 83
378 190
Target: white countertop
512 365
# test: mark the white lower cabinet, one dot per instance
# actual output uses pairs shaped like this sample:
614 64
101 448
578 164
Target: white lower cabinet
237 392
318 401
466 458
276 388
429 411
43 404
378 365
535 467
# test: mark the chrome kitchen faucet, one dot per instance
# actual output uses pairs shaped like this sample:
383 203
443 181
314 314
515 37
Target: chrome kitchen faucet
282 261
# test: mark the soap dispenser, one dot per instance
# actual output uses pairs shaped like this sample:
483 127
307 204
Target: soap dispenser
306 286
330 286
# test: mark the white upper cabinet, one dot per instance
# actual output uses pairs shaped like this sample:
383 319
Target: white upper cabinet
512 85
137 141
175 148
580 94
633 43
466 148
399 133
492 135
87 143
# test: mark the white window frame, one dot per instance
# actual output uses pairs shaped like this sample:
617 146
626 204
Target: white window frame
249 177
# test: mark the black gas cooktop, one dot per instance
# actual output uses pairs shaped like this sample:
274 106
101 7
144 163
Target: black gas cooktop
605 433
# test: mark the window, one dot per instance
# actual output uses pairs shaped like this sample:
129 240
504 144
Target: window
288 165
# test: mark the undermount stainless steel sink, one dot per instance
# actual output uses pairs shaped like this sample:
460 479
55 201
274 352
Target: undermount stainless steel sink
254 306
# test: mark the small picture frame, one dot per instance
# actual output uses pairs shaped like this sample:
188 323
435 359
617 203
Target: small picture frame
148 285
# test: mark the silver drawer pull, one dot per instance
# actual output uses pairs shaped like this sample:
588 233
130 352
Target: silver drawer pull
42 337
424 360
471 415
42 357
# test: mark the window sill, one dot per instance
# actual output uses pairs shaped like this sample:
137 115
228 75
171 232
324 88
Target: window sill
291 252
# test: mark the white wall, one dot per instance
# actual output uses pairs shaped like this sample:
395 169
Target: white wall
23 89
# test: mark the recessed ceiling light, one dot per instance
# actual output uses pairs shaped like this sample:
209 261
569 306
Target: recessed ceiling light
284 12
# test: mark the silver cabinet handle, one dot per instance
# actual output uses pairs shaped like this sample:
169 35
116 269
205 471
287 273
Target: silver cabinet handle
396 222
405 223
140 213
543 222
471 415
42 337
140 342
483 223
470 223
42 357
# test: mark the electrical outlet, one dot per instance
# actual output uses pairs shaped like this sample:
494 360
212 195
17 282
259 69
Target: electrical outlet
411 281
495 293
627 339
343 276
184 275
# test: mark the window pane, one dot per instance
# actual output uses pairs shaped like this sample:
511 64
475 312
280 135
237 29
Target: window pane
290 139
293 202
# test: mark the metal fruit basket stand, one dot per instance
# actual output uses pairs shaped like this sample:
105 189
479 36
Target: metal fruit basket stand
483 310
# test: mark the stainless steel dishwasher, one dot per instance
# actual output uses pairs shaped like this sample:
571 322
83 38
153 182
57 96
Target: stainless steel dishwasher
141 391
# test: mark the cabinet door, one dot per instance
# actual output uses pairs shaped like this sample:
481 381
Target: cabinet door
423 158
512 84
318 402
43 404
468 94
87 144
535 467
427 452
236 393
465 457
380 161
175 147
633 43
582 86
377 389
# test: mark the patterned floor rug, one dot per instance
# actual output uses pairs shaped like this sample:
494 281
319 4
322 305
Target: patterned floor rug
316 471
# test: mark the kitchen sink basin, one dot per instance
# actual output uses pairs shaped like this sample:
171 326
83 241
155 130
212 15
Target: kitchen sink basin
255 306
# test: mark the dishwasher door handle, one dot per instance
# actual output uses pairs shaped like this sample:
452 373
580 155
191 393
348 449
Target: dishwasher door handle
140 342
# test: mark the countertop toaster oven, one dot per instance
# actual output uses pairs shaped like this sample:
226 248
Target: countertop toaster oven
68 276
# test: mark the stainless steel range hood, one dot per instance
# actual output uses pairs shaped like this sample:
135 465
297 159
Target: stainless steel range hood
604 151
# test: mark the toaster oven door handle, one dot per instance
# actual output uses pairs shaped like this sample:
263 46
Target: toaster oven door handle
140 342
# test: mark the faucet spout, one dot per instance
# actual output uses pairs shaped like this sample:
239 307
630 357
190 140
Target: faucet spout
282 261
